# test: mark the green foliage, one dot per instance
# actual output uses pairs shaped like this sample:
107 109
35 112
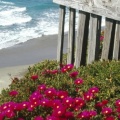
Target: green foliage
105 75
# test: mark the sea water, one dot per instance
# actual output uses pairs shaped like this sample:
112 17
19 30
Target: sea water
22 20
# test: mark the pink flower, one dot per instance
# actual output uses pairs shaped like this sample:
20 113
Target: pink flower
118 109
4 106
68 101
9 113
46 72
35 96
24 105
56 103
84 115
88 96
54 71
63 70
99 105
69 66
101 38
45 102
92 113
105 102
78 81
34 77
41 87
117 103
38 118
109 118
59 112
66 68
69 115
79 102
13 93
107 111
50 92
52 118
18 107
94 90
62 94
74 74
31 107
2 116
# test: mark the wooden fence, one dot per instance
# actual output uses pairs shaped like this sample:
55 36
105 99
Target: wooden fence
84 45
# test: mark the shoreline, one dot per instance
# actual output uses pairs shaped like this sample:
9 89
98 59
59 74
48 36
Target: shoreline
31 51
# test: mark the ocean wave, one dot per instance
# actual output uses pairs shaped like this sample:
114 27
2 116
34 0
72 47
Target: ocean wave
21 35
6 3
14 15
13 10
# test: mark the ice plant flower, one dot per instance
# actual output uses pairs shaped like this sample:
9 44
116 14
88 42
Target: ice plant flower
117 103
44 102
50 92
9 113
84 115
74 74
34 77
88 96
118 109
2 116
35 96
59 111
69 66
79 102
54 71
63 70
69 115
68 101
56 103
31 106
24 105
99 105
104 102
94 90
101 38
62 94
107 111
52 118
92 113
13 93
110 118
78 81
38 118
41 87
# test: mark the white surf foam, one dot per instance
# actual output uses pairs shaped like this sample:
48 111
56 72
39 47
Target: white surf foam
6 3
13 15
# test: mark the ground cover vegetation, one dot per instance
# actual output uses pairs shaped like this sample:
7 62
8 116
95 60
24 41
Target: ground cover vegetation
50 91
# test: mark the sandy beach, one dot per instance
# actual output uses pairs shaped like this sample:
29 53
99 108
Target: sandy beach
15 60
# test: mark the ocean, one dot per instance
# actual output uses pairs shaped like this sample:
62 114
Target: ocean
22 20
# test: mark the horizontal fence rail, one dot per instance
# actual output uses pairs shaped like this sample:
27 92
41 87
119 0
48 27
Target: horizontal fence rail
84 45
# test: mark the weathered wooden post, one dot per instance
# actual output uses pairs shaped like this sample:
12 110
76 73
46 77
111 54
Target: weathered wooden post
61 34
81 39
94 40
116 50
107 38
71 36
